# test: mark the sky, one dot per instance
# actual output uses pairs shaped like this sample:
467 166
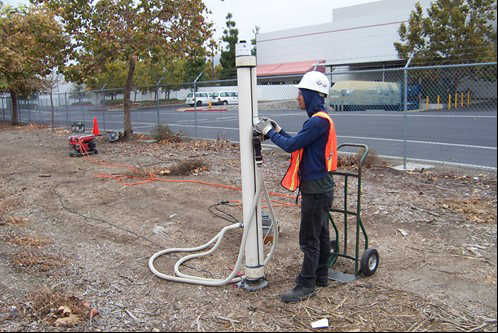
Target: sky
273 15
269 15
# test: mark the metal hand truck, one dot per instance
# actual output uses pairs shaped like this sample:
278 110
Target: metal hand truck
369 260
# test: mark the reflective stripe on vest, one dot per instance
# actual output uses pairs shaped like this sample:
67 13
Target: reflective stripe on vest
291 179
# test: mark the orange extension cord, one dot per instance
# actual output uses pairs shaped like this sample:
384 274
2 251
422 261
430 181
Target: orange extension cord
121 178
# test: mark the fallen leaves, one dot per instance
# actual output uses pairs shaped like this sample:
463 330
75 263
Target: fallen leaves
473 209
66 317
60 310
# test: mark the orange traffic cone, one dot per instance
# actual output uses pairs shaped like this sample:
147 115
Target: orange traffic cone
95 127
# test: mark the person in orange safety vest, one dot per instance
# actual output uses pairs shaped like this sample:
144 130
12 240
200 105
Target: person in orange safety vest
314 157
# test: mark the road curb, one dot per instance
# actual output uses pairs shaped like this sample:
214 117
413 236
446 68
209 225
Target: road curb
202 110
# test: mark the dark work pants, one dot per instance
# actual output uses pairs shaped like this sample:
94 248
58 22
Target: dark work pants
314 237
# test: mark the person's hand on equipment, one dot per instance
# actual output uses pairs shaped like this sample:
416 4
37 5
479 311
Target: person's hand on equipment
275 125
263 126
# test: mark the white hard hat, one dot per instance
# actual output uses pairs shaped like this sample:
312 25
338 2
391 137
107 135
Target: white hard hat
315 81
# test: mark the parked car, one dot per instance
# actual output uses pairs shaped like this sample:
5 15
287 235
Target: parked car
201 98
225 97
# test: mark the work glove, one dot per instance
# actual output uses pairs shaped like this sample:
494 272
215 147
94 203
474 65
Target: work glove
263 126
275 125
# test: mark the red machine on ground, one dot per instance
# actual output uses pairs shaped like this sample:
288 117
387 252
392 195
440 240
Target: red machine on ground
81 143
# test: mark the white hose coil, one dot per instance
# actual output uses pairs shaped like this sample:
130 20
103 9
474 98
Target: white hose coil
180 277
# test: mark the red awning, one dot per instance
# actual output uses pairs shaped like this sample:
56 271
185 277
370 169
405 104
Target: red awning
289 68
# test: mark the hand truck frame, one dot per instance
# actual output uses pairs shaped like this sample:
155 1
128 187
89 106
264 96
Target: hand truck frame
369 260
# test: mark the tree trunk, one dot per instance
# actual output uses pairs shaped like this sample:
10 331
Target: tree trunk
53 113
127 103
15 114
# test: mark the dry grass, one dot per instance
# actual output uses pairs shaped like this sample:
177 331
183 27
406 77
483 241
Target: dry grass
8 126
38 261
185 168
12 220
29 127
33 126
163 134
25 240
57 309
352 161
204 145
7 205
474 210
140 172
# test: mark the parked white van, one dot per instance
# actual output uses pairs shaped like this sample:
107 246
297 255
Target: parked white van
225 97
201 98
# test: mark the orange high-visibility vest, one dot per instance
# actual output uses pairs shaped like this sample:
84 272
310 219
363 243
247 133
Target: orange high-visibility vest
291 179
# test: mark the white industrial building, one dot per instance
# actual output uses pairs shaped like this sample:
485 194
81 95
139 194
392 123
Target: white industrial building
360 35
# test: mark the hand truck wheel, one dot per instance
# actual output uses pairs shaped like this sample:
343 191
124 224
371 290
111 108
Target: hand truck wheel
369 262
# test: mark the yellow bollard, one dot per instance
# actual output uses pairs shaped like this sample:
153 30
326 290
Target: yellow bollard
427 103
449 102
438 102
468 99
210 103
463 100
456 100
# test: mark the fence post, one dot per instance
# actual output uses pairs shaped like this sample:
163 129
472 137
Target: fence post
103 104
19 113
3 110
67 110
60 107
157 102
29 113
195 112
39 108
195 103
82 109
405 118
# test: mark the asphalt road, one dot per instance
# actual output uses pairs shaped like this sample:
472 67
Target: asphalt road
458 137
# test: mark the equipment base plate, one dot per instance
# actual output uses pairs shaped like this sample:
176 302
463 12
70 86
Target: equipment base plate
253 285
341 277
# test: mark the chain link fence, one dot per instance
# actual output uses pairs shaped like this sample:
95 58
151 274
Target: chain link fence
439 114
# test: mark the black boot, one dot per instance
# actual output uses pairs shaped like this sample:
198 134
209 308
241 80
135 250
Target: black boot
297 294
322 281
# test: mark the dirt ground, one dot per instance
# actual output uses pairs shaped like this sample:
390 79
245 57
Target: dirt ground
75 243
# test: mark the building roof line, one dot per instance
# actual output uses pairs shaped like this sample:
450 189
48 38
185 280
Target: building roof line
331 31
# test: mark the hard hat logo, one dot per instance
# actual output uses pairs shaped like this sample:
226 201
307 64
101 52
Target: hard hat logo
315 81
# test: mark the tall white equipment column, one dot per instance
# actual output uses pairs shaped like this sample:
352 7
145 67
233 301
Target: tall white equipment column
248 114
